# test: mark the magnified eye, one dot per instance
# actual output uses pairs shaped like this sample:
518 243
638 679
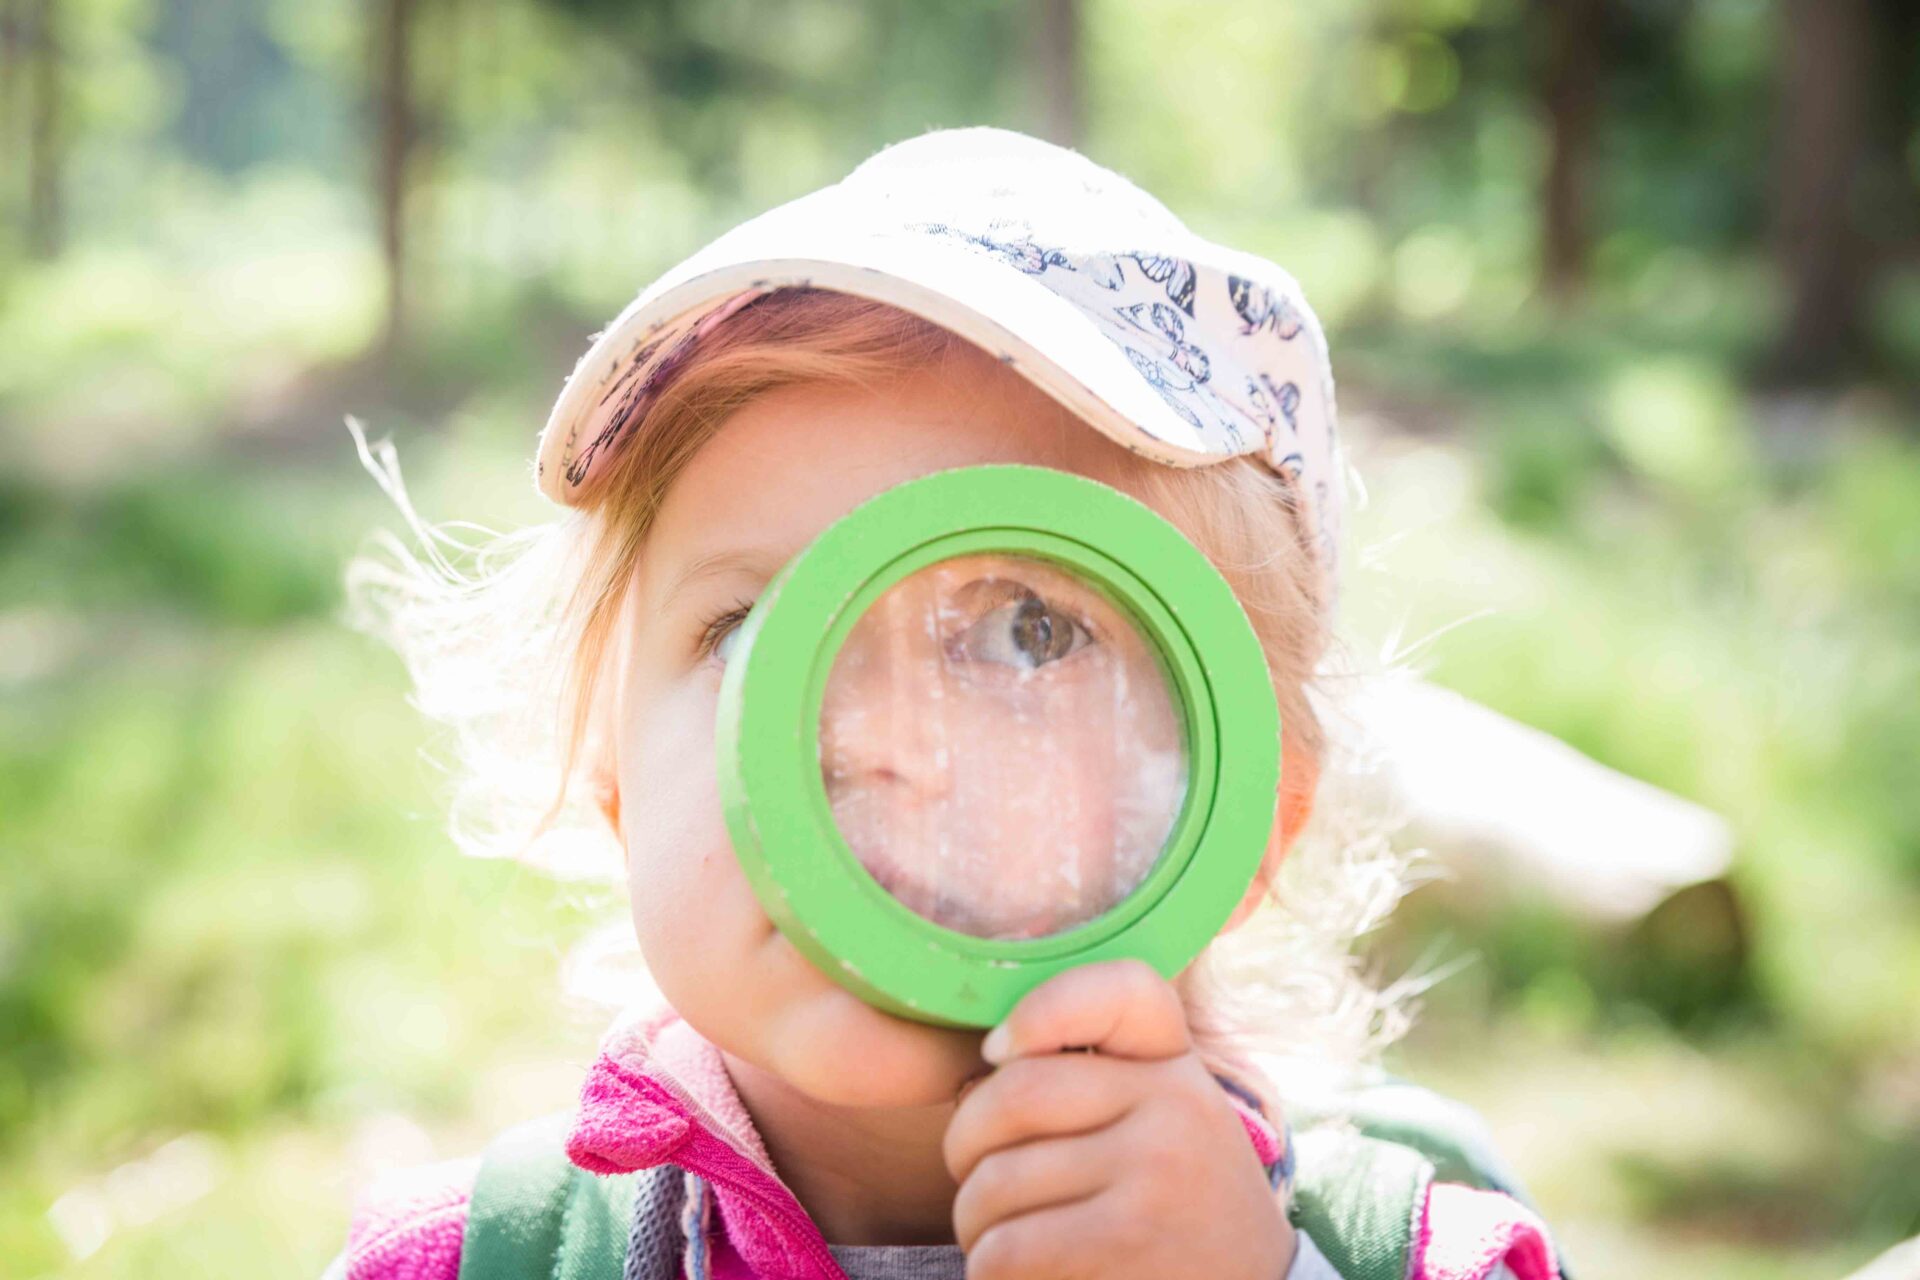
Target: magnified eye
1025 633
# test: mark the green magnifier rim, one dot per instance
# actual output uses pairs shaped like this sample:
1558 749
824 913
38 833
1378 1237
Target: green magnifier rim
774 796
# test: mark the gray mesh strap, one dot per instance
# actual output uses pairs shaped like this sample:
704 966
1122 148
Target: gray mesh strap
653 1243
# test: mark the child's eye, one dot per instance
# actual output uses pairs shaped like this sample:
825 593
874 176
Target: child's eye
1025 634
717 637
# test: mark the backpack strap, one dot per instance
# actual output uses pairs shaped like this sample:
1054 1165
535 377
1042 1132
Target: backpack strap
1369 1155
1359 1198
535 1215
1449 1133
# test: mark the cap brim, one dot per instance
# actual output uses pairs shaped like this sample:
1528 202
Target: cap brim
996 305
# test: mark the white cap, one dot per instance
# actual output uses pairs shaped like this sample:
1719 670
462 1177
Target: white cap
1182 350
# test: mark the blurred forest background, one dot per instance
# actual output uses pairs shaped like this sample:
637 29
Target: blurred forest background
1624 298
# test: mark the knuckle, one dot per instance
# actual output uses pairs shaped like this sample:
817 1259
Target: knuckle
971 1212
1013 1177
993 1173
1035 1009
962 1143
1128 1217
954 1148
1023 1096
995 1255
1022 1249
1134 970
1157 1203
1133 980
1168 1140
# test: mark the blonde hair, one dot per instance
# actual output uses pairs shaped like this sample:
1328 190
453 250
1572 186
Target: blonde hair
508 641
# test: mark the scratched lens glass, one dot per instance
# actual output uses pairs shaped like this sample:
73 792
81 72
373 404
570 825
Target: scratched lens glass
1001 747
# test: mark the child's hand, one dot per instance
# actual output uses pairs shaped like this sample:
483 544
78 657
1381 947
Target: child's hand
1128 1161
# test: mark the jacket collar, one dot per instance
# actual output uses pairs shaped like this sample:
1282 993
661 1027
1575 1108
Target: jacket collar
659 1093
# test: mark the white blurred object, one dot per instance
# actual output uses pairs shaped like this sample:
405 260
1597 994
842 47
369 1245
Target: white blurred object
605 968
1494 799
1902 1262
385 1141
136 1193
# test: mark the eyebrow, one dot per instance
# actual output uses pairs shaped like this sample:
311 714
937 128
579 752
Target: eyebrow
762 562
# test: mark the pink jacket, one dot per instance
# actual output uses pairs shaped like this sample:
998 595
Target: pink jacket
659 1093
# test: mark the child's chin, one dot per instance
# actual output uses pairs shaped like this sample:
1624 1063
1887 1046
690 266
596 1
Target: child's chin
850 1054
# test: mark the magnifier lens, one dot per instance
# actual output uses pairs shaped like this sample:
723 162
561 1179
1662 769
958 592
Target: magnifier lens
1001 747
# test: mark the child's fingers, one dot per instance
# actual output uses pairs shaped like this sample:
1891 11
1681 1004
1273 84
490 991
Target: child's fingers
1032 1176
1066 1242
1041 1098
1123 1008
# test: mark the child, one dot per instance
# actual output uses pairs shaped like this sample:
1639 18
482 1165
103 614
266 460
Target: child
970 296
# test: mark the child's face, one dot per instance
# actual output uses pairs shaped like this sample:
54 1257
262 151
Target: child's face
775 475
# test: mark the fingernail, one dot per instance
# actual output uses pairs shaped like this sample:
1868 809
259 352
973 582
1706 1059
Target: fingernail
994 1047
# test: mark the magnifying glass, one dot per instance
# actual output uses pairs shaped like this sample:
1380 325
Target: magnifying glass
994 723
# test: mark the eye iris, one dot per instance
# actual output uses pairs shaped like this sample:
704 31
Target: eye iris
1034 633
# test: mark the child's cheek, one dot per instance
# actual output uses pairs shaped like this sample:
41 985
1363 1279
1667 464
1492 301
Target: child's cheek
684 872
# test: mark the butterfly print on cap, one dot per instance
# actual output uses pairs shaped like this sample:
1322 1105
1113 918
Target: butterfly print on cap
1262 308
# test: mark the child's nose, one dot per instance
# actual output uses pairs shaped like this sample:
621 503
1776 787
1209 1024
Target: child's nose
887 717
896 754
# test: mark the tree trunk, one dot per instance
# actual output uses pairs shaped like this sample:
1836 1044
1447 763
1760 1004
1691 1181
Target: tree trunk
44 124
397 129
1570 97
10 142
1057 73
1821 144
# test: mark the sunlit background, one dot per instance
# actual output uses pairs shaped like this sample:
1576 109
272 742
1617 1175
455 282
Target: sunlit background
1624 298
